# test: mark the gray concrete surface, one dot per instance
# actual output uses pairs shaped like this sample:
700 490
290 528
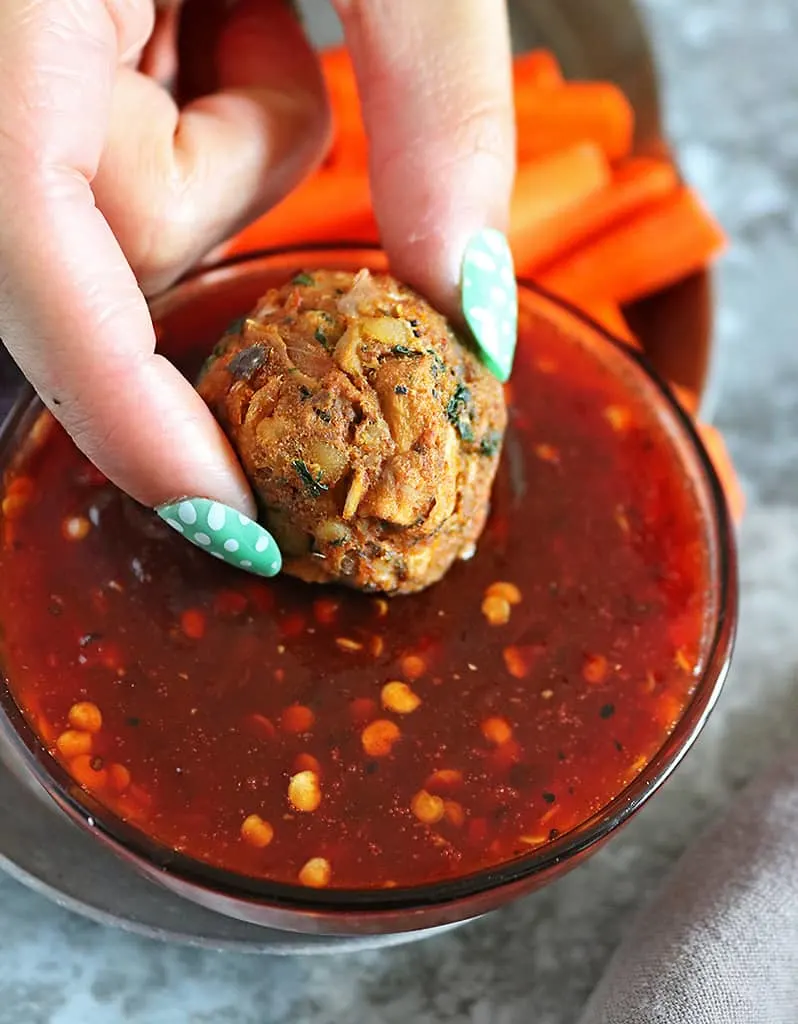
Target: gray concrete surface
731 79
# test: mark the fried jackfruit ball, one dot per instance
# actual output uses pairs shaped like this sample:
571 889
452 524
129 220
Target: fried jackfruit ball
370 433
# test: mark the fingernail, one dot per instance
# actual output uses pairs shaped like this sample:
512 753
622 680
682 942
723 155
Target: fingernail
224 533
489 299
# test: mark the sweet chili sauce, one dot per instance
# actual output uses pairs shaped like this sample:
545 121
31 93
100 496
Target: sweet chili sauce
333 738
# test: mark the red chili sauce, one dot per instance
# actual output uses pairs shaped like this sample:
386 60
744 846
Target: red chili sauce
248 723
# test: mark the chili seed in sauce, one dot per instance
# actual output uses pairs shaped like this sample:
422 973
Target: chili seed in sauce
346 643
256 831
595 669
87 772
399 698
443 779
413 667
427 808
454 813
496 610
72 743
363 710
86 717
297 719
518 661
119 777
307 763
508 591
379 737
76 528
497 731
304 791
325 611
547 453
316 873
14 505
192 622
618 417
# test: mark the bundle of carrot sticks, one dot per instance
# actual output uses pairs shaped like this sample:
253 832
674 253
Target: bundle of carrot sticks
589 221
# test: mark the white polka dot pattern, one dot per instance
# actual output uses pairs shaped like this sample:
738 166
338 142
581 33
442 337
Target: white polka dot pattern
489 299
224 533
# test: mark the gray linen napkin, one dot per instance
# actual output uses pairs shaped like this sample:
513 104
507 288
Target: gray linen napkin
719 945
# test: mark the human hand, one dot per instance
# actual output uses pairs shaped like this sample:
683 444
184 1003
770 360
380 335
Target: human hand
109 191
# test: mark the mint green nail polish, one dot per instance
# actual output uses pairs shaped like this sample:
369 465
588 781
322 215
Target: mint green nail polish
489 298
224 533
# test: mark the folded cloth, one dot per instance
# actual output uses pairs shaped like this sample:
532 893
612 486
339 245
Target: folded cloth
719 945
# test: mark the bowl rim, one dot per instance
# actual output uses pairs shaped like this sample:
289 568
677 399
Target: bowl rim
149 854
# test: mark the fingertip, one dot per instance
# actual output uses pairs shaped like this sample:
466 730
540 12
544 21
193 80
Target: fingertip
196 458
430 256
223 487
153 436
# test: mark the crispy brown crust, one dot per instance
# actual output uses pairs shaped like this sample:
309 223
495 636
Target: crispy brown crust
370 433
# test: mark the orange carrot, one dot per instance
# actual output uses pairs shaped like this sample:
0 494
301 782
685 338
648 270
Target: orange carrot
688 397
549 188
349 150
665 243
327 207
537 69
610 317
339 73
549 119
721 460
636 183
350 144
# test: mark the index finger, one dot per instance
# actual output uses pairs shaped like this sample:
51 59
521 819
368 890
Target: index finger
173 183
437 101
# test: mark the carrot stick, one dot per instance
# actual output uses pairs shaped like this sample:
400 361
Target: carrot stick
688 397
610 317
721 460
327 207
349 150
665 243
637 183
339 73
537 69
549 188
549 119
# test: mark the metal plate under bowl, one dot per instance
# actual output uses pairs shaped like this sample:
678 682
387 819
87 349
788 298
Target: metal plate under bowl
42 849
38 845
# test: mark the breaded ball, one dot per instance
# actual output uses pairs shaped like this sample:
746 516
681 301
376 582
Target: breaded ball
370 433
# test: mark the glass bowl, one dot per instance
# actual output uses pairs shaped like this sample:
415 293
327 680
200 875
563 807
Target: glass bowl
199 308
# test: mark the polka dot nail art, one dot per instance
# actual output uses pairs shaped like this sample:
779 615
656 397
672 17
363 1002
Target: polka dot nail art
224 533
489 298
